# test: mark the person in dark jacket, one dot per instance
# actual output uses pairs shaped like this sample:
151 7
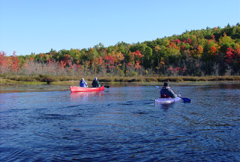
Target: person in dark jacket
166 92
95 83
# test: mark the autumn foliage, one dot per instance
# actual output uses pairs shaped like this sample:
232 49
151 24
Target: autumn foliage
9 64
196 53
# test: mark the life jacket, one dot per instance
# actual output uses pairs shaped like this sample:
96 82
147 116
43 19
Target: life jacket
165 93
165 96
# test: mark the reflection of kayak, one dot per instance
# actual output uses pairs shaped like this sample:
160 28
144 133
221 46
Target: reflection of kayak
83 89
167 100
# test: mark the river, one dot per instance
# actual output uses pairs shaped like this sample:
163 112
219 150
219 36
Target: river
122 123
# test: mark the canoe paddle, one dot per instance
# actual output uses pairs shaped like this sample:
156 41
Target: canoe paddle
184 99
106 86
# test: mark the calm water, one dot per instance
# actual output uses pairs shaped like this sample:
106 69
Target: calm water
122 124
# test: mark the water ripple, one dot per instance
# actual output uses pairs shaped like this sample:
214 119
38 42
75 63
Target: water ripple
122 124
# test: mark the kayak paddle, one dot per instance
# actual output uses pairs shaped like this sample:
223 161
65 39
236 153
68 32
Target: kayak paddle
106 86
184 99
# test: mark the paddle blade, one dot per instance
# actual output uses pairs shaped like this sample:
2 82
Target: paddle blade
106 86
186 100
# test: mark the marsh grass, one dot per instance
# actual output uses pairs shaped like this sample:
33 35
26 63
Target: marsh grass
73 80
170 79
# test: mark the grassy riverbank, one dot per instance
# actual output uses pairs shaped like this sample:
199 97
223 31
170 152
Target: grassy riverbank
71 80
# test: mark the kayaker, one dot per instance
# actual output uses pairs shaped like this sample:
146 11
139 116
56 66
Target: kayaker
166 92
83 83
95 83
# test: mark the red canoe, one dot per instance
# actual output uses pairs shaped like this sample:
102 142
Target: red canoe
83 89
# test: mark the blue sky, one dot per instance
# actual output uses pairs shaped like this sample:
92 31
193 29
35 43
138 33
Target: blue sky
37 26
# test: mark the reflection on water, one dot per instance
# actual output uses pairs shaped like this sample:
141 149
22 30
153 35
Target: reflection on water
122 124
85 96
165 107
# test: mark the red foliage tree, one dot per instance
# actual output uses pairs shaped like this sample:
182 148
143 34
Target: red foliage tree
137 65
229 55
109 60
237 51
213 50
178 41
14 61
189 40
136 55
3 62
174 71
62 64
66 59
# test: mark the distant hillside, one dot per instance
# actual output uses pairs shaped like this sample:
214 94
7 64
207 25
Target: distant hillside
210 51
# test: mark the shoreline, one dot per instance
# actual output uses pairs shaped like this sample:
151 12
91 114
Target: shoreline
114 80
15 86
21 88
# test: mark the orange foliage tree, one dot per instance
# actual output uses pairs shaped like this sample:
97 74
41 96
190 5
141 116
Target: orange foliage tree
3 63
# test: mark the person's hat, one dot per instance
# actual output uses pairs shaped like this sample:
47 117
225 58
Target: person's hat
95 78
165 84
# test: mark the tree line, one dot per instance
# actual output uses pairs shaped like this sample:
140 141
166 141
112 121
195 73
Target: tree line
210 51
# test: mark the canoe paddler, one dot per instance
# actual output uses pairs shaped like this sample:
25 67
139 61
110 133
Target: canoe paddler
95 83
166 92
83 83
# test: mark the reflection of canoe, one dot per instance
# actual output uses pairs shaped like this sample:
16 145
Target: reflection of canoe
86 94
167 100
83 89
